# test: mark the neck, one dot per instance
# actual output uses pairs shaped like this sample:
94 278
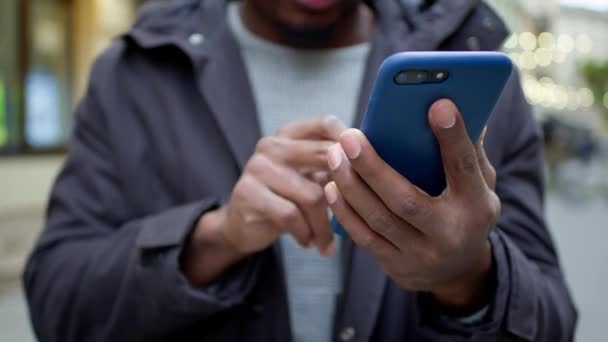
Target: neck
355 26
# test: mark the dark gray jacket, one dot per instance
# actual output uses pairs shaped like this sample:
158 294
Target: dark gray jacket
160 137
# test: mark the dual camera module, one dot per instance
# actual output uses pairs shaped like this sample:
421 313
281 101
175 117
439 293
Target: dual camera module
421 76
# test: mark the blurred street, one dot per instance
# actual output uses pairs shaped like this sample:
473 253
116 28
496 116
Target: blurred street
580 232
581 235
14 324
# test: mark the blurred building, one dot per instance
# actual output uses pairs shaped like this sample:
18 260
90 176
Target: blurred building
47 49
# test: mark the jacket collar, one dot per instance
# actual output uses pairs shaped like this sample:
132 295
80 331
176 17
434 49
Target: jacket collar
199 29
173 23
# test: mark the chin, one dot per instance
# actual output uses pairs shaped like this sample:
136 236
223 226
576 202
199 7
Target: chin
308 36
298 19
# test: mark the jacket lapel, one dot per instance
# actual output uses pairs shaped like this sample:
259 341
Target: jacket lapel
206 40
364 287
225 86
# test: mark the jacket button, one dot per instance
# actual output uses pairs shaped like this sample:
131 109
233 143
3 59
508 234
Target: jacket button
489 23
347 334
196 39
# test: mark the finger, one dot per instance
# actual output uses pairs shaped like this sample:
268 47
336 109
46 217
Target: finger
282 213
304 193
462 170
320 177
328 128
302 154
366 203
402 197
487 170
356 227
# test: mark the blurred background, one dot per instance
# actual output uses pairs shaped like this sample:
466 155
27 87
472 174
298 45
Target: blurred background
47 47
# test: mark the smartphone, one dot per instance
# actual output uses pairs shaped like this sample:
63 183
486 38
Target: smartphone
408 83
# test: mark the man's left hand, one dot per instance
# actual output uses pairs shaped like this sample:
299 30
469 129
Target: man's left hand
432 244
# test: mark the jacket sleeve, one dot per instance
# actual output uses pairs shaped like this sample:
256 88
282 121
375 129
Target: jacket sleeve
97 275
532 301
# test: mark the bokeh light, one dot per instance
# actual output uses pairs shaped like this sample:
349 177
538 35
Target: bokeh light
528 60
527 41
565 43
535 54
546 40
543 57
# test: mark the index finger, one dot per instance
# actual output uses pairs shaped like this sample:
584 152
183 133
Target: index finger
327 128
306 155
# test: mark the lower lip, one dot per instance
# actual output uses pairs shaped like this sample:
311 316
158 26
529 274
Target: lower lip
317 5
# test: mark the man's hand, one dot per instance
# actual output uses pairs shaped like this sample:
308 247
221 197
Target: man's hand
280 191
435 244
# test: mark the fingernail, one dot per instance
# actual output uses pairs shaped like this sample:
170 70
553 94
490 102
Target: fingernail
330 250
351 146
483 135
444 113
334 157
331 193
334 125
321 177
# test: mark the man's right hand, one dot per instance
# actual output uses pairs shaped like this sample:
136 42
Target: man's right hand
279 192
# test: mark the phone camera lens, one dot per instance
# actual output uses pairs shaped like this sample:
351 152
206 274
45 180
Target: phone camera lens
421 76
402 78
412 77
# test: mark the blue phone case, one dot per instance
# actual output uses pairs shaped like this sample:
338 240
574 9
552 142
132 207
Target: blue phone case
396 121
